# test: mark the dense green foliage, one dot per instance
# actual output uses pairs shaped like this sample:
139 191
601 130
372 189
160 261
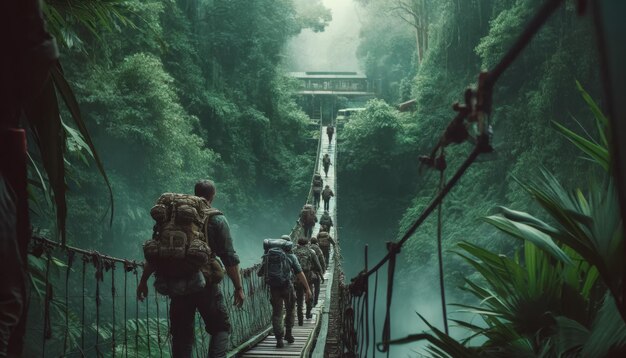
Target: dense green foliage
174 91
466 37
381 197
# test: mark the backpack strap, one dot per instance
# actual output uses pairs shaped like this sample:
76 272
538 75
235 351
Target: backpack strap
210 212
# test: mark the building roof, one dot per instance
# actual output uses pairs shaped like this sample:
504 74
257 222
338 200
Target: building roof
328 74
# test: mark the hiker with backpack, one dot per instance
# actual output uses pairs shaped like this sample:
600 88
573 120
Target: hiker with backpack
330 130
279 266
326 222
187 237
317 186
307 220
325 240
316 281
327 193
326 163
310 267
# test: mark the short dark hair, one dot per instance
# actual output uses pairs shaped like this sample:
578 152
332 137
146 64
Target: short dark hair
204 188
303 241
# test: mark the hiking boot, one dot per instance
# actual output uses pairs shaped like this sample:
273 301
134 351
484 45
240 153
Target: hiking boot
309 315
279 343
288 337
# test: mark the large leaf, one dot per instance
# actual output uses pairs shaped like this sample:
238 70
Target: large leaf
72 104
529 233
45 121
608 332
597 152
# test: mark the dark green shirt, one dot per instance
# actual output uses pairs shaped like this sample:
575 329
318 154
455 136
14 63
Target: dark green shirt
221 242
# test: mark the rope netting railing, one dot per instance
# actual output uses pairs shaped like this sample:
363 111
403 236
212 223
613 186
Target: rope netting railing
356 314
83 304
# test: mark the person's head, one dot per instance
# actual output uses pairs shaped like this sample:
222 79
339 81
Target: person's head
205 189
303 241
326 154
314 240
286 237
327 187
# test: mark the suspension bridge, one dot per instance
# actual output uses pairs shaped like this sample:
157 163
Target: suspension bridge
109 321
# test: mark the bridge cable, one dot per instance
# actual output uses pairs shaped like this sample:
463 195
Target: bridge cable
439 247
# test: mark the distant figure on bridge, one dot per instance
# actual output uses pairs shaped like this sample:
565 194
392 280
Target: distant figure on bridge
327 193
325 240
320 257
330 130
308 218
326 163
279 265
326 222
187 271
312 271
317 186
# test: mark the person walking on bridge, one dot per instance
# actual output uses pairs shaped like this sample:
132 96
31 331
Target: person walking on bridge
326 164
325 240
317 186
320 257
330 130
279 265
327 193
307 220
326 222
310 267
198 289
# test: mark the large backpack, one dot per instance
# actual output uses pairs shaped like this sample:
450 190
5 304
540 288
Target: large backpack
326 161
179 246
323 239
326 194
308 215
276 266
318 183
303 254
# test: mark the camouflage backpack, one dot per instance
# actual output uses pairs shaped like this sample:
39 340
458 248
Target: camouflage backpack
179 245
303 254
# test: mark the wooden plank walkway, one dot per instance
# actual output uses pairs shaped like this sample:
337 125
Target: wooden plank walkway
305 335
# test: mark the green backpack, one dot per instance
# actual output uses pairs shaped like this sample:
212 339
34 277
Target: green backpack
179 245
